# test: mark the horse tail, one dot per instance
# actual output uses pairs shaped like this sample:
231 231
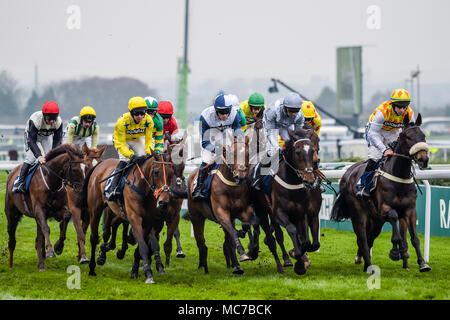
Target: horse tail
339 212
82 196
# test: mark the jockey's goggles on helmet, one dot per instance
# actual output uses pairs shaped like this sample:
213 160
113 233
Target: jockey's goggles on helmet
88 118
292 110
139 113
50 116
151 112
400 104
256 108
309 119
165 115
223 111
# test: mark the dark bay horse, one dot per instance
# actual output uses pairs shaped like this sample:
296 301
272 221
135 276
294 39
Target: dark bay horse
393 199
295 198
91 156
228 201
46 198
145 188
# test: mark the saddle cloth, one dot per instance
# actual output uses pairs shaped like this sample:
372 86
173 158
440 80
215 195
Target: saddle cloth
206 190
28 178
107 191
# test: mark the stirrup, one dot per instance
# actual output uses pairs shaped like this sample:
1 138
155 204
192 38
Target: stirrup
362 193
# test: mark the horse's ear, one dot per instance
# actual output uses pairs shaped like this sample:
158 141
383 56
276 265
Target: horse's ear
85 148
419 120
101 150
406 121
291 133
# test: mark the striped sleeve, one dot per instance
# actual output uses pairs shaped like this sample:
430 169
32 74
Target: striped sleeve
158 134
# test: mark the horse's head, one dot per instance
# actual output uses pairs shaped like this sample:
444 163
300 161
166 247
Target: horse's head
300 155
311 134
412 142
237 156
176 154
92 156
67 161
161 176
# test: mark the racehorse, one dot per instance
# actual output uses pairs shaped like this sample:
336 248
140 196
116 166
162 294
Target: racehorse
145 187
228 201
393 199
295 199
91 156
46 198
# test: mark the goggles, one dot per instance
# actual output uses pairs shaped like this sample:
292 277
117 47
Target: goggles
309 119
223 111
50 116
401 105
88 118
292 110
165 115
151 112
138 113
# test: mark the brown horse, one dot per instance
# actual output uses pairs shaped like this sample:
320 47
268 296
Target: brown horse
91 157
394 199
295 198
46 198
228 201
145 188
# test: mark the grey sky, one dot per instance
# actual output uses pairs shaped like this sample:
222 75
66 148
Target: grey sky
234 38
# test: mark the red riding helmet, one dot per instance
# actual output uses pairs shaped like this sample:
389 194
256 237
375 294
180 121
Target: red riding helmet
165 107
50 107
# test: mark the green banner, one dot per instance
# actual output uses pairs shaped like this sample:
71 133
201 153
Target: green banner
440 212
349 80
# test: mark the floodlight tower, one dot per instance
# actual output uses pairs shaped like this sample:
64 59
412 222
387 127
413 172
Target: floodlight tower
183 70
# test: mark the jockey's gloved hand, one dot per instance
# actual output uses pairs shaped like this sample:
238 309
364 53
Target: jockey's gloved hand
134 158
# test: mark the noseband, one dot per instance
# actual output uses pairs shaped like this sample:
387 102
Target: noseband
77 187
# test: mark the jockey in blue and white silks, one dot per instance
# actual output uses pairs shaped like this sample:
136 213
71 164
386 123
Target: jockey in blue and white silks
215 121
282 115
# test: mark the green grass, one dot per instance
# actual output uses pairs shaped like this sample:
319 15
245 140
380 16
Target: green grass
332 275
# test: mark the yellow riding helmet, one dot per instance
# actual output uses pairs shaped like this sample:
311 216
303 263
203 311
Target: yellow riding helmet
308 109
87 111
400 95
136 102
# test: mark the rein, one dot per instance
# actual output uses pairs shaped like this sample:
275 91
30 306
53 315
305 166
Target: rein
64 182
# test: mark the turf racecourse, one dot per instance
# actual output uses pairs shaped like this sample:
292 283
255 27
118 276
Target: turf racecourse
332 275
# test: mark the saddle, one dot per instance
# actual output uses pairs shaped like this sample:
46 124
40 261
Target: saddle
28 178
121 184
206 190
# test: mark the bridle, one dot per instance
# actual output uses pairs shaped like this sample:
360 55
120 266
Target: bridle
301 173
77 187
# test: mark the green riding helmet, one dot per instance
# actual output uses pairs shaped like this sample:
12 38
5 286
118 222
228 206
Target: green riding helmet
256 100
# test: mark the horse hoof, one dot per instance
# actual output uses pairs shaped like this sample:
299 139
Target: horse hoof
180 254
300 268
244 257
84 260
101 261
394 255
41 269
288 263
120 254
369 270
424 268
238 270
50 255
92 273
161 271
292 253
150 281
358 260
133 274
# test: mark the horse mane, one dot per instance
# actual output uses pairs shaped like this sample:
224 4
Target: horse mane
63 148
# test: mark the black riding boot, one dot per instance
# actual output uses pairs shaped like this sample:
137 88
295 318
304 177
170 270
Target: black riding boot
366 179
114 187
20 187
264 163
202 174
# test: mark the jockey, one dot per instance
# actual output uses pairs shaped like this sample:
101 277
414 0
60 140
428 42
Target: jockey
235 103
253 108
215 120
132 138
281 115
312 117
83 129
43 132
158 134
383 129
170 129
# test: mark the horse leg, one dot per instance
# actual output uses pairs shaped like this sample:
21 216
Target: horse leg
153 241
314 227
226 251
279 236
13 217
40 248
412 218
359 226
396 239
81 236
271 243
138 233
42 223
135 266
94 239
403 231
253 245
180 253
121 252
59 245
198 223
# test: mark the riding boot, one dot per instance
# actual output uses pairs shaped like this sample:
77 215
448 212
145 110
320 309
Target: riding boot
20 186
258 178
114 187
366 179
202 174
